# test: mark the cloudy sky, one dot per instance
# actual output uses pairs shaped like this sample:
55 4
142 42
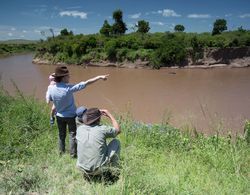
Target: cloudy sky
26 19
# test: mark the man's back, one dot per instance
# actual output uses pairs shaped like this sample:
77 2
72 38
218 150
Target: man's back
91 145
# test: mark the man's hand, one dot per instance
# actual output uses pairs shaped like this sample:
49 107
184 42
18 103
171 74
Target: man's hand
110 116
105 112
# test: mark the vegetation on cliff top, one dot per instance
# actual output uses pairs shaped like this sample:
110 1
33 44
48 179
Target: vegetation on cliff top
159 49
157 159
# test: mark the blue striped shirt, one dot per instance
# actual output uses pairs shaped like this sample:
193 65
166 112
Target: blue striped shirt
62 96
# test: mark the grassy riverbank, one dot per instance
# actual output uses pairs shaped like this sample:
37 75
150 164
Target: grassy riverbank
156 159
12 47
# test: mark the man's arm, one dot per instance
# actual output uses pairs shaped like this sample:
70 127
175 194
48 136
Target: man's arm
92 80
113 120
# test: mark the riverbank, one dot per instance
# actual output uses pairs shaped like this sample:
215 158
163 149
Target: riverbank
212 58
176 162
12 48
238 63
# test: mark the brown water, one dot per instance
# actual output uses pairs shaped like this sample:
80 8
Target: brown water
210 100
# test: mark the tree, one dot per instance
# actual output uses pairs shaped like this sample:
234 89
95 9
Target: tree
106 29
119 27
52 32
117 15
65 32
179 28
143 26
220 25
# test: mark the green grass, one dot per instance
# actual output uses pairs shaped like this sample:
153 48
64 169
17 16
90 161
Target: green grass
157 159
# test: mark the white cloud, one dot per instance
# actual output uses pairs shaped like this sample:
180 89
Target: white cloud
10 34
13 29
245 16
24 31
158 23
199 16
135 16
74 14
168 13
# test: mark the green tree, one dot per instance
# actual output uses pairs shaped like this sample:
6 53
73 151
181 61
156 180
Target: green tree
220 25
65 32
106 28
117 15
179 28
143 26
119 27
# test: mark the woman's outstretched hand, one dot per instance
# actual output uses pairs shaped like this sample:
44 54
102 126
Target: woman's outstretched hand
104 77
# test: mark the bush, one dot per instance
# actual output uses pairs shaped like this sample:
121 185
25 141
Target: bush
111 49
132 55
197 49
60 57
172 52
121 54
144 54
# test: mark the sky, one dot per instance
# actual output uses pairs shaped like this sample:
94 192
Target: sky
26 19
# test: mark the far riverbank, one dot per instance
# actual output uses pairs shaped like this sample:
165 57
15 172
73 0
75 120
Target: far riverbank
212 58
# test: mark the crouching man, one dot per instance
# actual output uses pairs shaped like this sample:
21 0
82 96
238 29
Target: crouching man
93 153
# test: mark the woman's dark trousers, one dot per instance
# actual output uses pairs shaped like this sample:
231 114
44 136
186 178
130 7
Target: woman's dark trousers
62 123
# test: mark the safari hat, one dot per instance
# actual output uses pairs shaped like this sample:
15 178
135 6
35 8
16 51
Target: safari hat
91 116
61 71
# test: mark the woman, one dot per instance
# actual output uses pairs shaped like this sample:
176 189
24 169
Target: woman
61 94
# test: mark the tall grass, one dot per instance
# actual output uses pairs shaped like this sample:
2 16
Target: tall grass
156 159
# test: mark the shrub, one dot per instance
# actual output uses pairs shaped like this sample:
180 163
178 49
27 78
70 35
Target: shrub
197 49
171 52
132 55
60 57
111 49
121 54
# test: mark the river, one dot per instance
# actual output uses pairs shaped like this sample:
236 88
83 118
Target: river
209 100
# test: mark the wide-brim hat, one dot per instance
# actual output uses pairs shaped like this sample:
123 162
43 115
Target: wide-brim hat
80 111
61 71
91 116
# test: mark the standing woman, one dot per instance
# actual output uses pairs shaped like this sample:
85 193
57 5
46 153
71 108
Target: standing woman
61 94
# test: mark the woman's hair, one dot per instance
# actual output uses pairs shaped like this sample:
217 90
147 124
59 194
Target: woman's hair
58 79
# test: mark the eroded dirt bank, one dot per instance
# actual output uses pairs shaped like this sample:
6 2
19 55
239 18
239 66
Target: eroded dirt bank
211 58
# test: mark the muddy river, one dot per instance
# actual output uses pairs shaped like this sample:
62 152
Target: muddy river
209 100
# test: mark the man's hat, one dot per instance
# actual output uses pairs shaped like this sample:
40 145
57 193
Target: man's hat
80 112
91 116
61 71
